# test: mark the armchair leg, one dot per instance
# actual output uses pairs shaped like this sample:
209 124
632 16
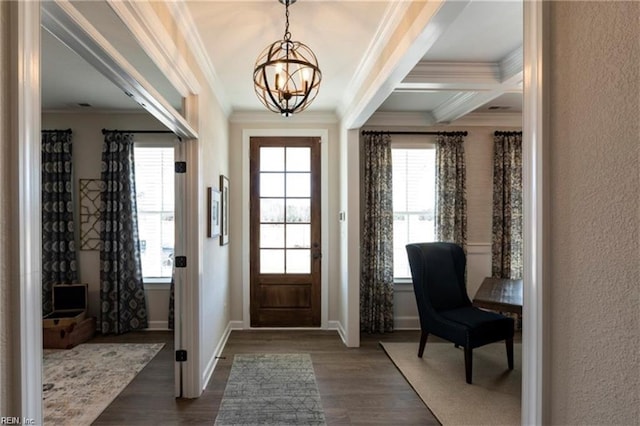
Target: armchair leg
423 342
468 363
509 343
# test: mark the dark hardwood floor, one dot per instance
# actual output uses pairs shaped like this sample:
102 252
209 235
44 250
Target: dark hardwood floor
358 386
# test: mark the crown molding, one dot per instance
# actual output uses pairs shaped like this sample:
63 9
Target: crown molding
404 119
184 21
484 72
392 16
424 119
492 119
151 34
266 117
511 67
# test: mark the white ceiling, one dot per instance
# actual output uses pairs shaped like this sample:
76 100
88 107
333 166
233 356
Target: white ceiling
469 68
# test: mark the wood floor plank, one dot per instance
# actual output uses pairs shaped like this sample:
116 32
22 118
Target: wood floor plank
357 386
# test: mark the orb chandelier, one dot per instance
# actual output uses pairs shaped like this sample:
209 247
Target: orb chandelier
286 76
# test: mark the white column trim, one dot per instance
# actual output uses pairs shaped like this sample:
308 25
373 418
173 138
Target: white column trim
26 140
323 134
535 228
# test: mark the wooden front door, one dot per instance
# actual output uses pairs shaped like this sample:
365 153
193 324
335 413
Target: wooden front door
285 255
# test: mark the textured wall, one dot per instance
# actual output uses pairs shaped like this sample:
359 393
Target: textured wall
594 179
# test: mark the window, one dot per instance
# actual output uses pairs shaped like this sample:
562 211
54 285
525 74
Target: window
413 202
154 168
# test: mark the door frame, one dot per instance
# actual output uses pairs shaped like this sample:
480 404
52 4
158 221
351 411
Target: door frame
323 134
24 90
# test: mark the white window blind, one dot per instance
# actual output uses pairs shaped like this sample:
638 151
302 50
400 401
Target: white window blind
154 168
413 202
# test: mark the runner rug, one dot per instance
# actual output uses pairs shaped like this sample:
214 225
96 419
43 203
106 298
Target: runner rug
438 378
271 389
79 383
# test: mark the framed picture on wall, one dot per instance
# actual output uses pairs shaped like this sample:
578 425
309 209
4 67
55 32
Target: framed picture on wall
213 203
224 225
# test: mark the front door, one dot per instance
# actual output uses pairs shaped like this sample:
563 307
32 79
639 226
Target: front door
285 256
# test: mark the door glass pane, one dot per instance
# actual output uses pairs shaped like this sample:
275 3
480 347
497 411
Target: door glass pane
298 210
272 184
271 159
298 236
298 261
272 210
298 159
271 236
271 261
298 185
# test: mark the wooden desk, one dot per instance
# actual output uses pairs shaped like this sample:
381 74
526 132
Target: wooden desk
500 294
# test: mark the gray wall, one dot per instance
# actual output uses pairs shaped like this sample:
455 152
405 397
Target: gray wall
594 310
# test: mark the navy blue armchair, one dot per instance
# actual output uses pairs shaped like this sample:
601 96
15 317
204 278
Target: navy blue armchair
438 272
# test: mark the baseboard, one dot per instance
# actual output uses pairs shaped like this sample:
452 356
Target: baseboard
337 325
213 361
236 325
158 326
406 323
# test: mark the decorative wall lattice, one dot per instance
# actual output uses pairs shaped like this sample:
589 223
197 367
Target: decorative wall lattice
90 214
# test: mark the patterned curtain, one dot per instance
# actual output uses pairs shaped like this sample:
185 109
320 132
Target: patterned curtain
59 263
506 247
123 306
451 189
172 303
376 270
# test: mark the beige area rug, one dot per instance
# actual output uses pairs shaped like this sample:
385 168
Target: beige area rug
79 383
438 378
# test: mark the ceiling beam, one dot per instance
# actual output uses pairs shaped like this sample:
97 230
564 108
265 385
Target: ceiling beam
422 24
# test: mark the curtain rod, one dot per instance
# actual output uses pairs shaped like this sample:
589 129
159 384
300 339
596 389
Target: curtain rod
57 130
499 133
377 132
135 131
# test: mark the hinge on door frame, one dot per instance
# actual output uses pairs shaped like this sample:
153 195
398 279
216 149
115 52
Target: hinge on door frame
181 167
181 355
181 261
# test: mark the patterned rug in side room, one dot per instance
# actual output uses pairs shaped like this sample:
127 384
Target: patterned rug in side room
79 383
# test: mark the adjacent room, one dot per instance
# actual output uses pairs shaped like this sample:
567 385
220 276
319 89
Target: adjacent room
307 212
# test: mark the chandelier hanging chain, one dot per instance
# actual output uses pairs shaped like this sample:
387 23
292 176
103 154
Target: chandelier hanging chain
287 34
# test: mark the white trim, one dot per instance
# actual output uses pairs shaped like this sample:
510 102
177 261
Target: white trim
66 23
426 119
24 57
158 326
185 22
264 117
323 134
511 67
534 227
426 28
337 325
391 19
236 325
143 22
213 361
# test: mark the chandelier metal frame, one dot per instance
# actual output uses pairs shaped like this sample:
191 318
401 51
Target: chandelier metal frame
286 75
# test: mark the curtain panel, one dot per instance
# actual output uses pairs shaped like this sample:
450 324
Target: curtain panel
59 262
376 274
507 246
451 190
123 305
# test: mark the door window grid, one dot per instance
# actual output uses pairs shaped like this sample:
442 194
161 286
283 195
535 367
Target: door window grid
285 217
